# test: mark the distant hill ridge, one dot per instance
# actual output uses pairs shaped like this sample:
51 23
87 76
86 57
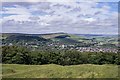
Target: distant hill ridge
61 37
97 34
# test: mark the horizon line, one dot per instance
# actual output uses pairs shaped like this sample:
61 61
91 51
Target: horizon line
55 33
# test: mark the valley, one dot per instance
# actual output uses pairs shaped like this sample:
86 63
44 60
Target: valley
82 43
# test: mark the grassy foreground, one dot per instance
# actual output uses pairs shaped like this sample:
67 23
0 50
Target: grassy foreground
57 71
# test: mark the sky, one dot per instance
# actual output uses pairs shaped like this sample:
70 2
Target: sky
51 17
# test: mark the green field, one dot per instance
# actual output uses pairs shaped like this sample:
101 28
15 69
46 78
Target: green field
57 71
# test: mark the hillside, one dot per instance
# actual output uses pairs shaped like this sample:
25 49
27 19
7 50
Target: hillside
46 36
25 38
82 40
16 37
53 35
57 71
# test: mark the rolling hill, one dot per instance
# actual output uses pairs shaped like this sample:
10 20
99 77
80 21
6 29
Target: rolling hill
16 37
62 38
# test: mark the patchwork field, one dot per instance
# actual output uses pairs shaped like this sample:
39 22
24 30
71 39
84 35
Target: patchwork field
57 71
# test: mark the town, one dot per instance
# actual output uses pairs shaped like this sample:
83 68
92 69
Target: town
62 42
61 46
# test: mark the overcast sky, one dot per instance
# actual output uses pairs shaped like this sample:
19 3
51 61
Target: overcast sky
51 17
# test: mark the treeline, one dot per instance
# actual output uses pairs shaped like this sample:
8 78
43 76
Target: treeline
22 55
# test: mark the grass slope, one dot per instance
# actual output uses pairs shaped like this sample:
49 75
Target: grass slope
57 71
